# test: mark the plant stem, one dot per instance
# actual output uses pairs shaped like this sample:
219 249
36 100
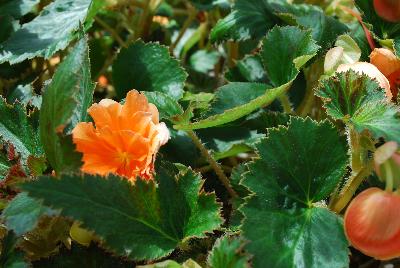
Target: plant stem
389 176
286 105
186 25
355 150
233 53
350 188
108 28
215 166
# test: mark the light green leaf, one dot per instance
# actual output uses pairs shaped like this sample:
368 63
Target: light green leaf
203 61
26 95
167 107
361 103
65 102
17 8
249 69
285 50
148 67
154 219
248 19
20 129
51 31
22 214
226 253
298 166
4 166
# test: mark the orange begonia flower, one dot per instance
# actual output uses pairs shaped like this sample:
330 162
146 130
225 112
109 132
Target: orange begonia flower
372 223
124 140
389 65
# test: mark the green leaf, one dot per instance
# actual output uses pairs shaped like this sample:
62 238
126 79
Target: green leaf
229 140
148 67
22 214
248 20
10 256
4 166
17 8
203 61
80 256
325 29
360 102
396 46
20 129
298 166
226 253
167 107
154 219
249 69
51 31
24 94
236 94
285 51
172 264
65 102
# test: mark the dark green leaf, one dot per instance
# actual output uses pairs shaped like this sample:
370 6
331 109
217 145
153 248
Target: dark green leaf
167 107
359 101
298 166
10 256
65 103
236 94
248 19
325 29
396 46
22 214
25 95
20 129
17 8
51 31
226 253
148 67
229 140
79 256
154 219
8 25
285 51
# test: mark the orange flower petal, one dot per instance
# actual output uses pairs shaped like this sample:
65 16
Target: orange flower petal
370 70
372 223
385 60
124 140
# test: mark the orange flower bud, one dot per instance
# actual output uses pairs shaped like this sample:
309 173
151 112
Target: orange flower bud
124 140
389 65
372 223
388 9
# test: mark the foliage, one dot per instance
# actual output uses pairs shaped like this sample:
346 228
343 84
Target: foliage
267 143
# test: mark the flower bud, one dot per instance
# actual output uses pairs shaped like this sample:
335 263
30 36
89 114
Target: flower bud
388 9
372 223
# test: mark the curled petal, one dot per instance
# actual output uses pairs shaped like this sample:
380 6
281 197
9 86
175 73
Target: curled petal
388 9
385 60
372 223
370 70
